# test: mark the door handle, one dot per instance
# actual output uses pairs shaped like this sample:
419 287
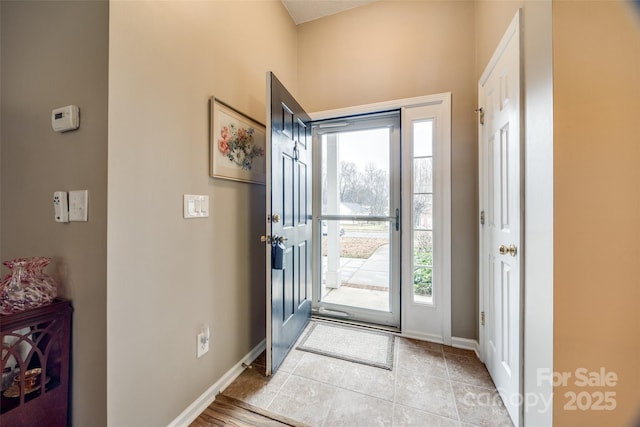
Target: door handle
397 219
273 239
511 250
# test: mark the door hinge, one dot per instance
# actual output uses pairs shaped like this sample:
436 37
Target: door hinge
481 217
480 112
482 318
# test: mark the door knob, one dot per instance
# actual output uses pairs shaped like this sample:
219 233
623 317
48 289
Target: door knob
511 250
273 239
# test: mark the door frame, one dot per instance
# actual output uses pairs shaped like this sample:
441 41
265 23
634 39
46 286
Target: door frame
430 322
441 99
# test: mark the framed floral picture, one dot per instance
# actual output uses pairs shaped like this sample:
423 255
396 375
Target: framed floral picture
237 146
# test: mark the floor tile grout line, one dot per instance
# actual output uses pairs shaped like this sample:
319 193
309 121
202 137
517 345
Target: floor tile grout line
429 412
342 387
279 389
475 385
453 395
396 359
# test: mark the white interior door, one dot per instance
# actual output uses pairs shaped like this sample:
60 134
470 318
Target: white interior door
500 205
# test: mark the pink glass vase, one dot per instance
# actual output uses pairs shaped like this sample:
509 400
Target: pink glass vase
27 286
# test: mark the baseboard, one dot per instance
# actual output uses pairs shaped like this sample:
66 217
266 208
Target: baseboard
201 403
423 337
467 344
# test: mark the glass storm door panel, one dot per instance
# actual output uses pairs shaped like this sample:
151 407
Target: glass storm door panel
358 218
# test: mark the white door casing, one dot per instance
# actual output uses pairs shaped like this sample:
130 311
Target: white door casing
419 320
499 96
430 321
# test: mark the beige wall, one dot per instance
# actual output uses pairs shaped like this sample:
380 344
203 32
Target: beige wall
55 54
166 275
597 202
399 49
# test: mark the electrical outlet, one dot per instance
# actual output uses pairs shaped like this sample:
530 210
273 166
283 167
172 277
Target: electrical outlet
202 342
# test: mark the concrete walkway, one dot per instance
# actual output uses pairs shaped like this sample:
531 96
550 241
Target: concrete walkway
365 282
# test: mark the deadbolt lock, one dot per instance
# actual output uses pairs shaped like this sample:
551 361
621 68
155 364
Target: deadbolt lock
275 217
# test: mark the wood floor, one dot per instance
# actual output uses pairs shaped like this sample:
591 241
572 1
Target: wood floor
230 412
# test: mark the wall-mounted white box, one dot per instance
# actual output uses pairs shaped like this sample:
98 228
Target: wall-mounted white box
195 206
78 205
64 119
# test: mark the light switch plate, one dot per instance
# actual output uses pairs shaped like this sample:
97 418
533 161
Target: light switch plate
78 205
195 206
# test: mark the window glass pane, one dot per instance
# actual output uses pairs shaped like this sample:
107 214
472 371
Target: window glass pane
423 284
423 248
423 211
356 172
422 175
423 138
423 266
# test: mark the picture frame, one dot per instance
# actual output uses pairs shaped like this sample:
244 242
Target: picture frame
237 145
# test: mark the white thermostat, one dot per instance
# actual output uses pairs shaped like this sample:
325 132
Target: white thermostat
65 118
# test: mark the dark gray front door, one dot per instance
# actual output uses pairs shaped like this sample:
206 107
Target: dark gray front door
289 208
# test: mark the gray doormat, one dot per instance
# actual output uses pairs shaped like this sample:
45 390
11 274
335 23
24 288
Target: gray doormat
353 344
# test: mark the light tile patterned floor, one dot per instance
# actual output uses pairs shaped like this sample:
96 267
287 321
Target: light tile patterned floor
430 385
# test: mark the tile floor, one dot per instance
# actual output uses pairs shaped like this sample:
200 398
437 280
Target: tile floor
430 385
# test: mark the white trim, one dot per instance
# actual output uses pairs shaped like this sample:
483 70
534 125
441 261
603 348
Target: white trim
205 399
268 231
396 104
512 30
457 342
429 319
442 106
466 344
416 335
538 210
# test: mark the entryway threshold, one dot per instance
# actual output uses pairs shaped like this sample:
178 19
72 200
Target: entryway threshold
373 326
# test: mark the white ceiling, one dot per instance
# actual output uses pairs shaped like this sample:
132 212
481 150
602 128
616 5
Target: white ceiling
307 10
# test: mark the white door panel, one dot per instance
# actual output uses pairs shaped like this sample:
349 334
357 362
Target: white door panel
500 236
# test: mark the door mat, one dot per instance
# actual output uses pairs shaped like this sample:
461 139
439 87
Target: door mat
353 344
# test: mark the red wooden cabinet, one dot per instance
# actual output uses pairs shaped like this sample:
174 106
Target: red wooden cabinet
31 340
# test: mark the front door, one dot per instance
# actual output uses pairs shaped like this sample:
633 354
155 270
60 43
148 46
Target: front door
289 222
500 205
